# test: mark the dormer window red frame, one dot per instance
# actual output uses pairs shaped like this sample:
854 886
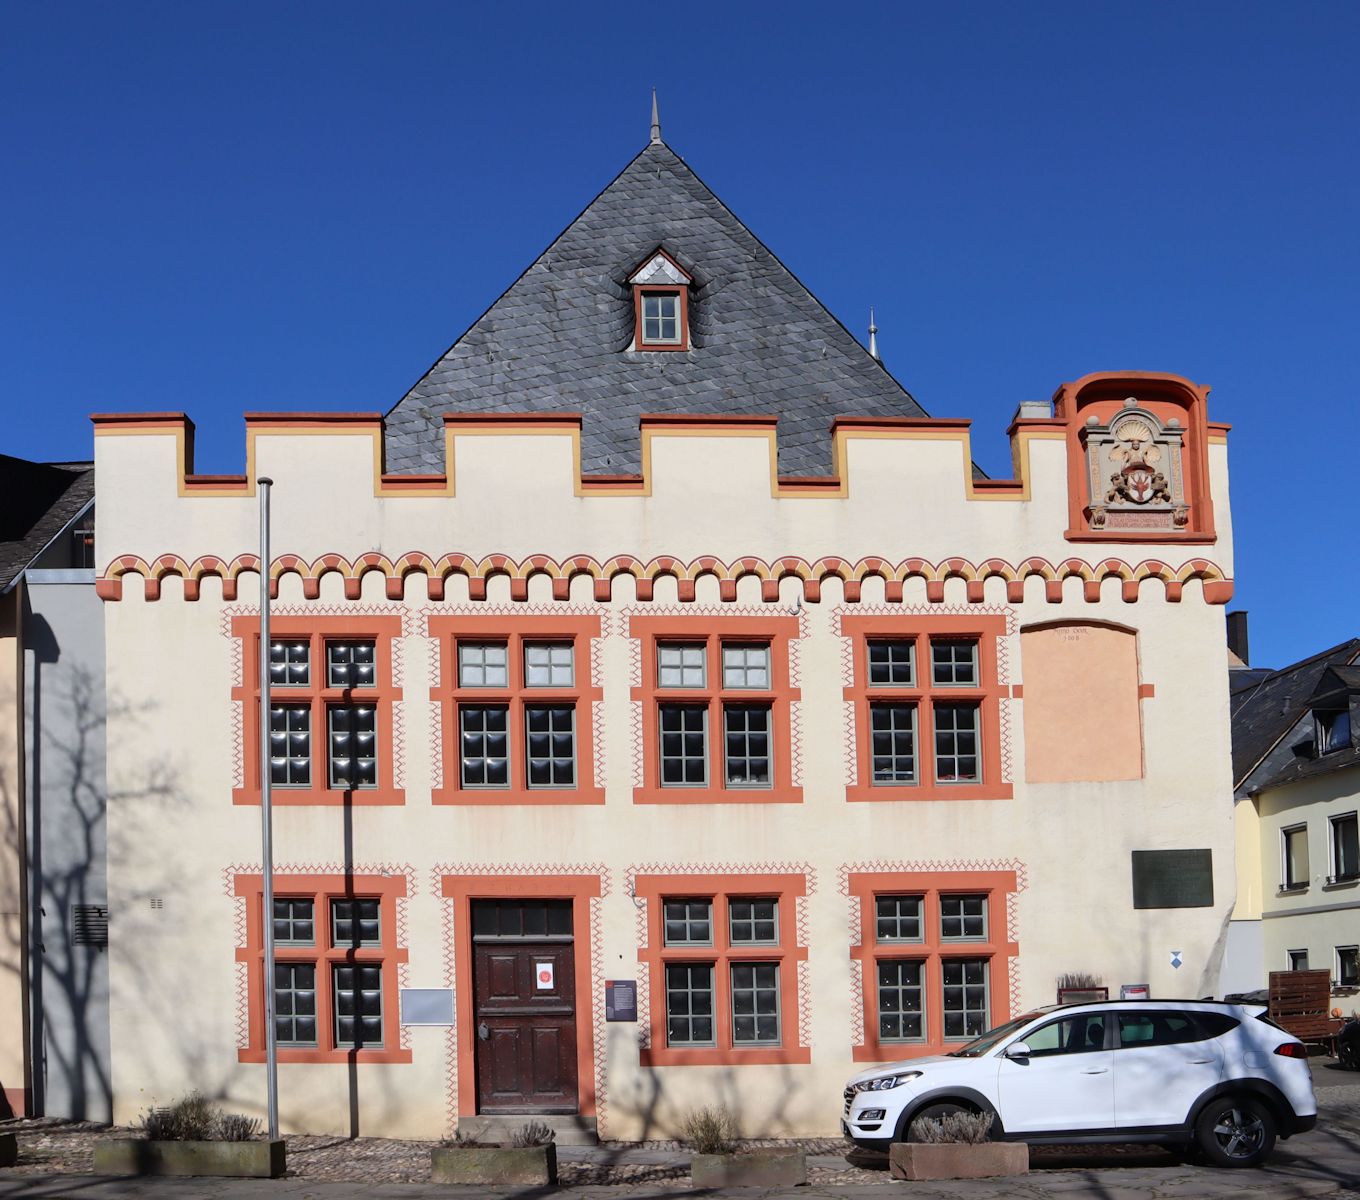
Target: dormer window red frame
660 304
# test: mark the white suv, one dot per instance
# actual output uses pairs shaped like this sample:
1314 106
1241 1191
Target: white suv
1221 1077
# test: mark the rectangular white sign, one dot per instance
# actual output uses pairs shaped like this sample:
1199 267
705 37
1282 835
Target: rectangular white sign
543 976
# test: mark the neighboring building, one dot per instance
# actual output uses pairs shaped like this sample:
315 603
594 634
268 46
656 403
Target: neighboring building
1296 774
686 652
54 1044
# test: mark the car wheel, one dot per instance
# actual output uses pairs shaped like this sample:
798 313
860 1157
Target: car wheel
1235 1131
931 1112
1349 1055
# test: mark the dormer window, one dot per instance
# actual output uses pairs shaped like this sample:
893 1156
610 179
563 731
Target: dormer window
660 318
1333 730
660 304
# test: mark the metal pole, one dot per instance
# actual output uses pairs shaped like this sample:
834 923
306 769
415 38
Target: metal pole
271 1049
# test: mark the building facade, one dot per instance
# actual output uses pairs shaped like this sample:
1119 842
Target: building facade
1297 789
663 710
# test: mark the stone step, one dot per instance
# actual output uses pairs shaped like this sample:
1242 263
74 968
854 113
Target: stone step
570 1130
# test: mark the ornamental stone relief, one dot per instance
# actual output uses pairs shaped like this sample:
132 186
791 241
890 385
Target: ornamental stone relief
1134 473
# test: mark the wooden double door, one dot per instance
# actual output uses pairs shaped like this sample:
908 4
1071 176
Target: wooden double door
524 980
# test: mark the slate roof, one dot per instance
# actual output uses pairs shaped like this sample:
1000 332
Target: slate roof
37 501
1264 717
557 339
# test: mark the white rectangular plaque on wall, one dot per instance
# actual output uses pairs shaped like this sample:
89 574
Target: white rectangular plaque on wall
427 1006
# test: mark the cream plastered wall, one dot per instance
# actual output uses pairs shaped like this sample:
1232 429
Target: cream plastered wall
174 831
1322 916
11 858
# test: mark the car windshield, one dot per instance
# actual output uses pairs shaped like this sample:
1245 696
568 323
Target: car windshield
989 1039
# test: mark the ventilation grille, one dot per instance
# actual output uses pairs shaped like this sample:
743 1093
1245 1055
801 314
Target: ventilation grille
90 924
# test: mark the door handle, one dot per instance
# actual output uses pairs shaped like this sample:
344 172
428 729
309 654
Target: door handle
483 1033
1199 1062
1096 1071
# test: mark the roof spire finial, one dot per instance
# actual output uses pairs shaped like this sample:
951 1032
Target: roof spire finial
656 120
873 336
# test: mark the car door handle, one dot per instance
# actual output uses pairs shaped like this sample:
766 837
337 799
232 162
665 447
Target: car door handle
1199 1062
1096 1071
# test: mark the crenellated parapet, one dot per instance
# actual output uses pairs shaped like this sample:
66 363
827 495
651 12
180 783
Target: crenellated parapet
903 504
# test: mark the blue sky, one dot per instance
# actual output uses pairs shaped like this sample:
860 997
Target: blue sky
258 206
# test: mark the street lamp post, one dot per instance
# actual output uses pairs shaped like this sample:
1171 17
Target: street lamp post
271 1049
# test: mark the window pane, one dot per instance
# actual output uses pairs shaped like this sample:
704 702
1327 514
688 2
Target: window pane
684 745
1296 856
963 918
953 663
892 663
755 1004
753 922
1298 960
483 664
355 922
681 666
350 665
1348 966
289 664
965 997
898 918
689 1004
484 746
746 740
357 994
688 922
892 730
290 745
746 666
353 746
548 664
956 743
293 924
295 1004
1345 846
901 1015
550 745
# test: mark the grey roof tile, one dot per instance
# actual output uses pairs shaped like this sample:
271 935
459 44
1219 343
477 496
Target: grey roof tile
555 339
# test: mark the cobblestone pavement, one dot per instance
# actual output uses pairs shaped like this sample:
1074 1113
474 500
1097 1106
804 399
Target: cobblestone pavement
56 1160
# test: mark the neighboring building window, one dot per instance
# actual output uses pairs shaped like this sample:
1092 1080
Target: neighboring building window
1332 730
723 969
1348 966
82 544
933 964
335 974
719 700
330 711
1345 848
1298 960
519 708
1295 850
927 707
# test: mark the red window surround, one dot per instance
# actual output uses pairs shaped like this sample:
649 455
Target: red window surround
321 890
317 631
932 951
788 953
514 632
661 286
986 631
713 632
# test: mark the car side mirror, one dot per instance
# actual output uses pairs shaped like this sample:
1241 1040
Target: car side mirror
1017 1050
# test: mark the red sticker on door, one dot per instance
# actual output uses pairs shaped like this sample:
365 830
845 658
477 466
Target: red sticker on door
543 976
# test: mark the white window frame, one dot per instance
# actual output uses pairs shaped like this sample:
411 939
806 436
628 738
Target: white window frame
1289 960
1334 868
1286 883
1353 949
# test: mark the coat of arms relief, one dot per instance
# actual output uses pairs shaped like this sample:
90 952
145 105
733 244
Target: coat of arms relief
1134 471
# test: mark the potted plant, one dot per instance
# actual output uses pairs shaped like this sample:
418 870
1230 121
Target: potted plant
956 1146
193 1137
530 1160
720 1161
